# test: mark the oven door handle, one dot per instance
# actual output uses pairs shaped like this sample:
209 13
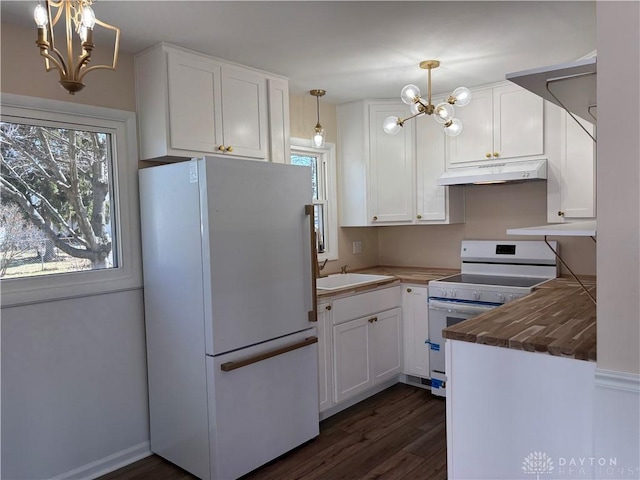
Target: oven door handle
454 307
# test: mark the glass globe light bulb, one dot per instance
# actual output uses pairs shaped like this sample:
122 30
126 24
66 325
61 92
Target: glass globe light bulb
409 94
454 128
88 17
40 16
391 125
444 112
416 108
462 96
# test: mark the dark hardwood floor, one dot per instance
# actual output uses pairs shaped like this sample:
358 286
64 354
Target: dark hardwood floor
398 434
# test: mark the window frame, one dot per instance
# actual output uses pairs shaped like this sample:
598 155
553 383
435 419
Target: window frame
326 164
128 274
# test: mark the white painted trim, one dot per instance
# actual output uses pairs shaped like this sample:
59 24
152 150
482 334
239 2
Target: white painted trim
611 379
358 398
108 464
328 154
27 290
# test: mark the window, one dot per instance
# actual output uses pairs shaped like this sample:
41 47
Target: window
68 222
55 211
322 163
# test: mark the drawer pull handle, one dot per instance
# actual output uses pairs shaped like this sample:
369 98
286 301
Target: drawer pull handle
373 319
229 366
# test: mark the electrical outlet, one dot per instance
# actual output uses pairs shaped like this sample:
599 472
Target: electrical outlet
357 247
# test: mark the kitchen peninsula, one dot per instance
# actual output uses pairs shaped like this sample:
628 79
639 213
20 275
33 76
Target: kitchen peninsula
522 372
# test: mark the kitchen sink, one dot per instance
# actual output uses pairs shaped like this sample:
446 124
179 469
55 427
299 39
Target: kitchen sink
344 280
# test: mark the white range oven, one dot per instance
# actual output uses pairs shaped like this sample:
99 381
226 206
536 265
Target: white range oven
493 272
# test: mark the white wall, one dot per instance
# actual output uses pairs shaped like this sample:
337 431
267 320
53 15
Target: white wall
617 392
618 186
74 384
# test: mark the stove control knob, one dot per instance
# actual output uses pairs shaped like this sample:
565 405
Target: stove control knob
511 298
476 295
443 292
453 293
501 297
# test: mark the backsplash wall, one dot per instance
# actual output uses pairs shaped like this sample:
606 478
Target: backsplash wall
490 210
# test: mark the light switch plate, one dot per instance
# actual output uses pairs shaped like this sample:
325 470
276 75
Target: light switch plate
357 247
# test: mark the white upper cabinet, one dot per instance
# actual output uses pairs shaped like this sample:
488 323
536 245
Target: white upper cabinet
392 179
503 121
391 160
571 183
244 112
195 103
434 203
192 105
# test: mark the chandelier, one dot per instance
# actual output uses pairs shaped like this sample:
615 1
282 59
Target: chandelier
78 16
443 112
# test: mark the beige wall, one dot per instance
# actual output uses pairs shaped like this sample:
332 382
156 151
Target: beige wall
23 73
618 186
490 210
303 118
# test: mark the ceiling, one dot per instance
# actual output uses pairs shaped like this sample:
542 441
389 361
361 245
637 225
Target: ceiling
358 49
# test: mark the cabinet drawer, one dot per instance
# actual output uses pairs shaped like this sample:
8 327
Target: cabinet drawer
365 304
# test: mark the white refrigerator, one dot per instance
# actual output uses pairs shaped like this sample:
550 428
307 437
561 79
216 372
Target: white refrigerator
229 311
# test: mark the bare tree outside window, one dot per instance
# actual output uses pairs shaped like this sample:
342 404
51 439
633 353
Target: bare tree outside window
59 178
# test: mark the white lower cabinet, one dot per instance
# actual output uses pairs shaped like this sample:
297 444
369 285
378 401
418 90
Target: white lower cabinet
367 351
325 357
415 318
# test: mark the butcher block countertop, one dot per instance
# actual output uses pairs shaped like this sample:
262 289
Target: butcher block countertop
557 318
415 275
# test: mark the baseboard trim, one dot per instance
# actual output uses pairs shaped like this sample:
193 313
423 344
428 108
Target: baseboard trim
358 398
108 464
611 379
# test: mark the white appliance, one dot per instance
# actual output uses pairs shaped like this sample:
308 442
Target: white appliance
495 172
493 272
229 305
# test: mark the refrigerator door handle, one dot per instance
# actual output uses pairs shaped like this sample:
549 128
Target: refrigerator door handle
229 366
313 314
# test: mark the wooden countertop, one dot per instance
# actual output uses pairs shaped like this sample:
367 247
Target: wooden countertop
557 318
416 275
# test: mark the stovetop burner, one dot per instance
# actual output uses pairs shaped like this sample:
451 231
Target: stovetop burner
467 278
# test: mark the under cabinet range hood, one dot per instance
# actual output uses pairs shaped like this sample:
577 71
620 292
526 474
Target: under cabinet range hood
495 173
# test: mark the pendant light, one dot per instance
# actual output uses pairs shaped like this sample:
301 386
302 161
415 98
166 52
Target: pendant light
443 112
318 137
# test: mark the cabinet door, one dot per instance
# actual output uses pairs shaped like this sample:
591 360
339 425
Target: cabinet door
386 345
431 198
416 331
244 110
325 372
578 187
195 106
518 117
476 140
352 361
279 126
390 167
